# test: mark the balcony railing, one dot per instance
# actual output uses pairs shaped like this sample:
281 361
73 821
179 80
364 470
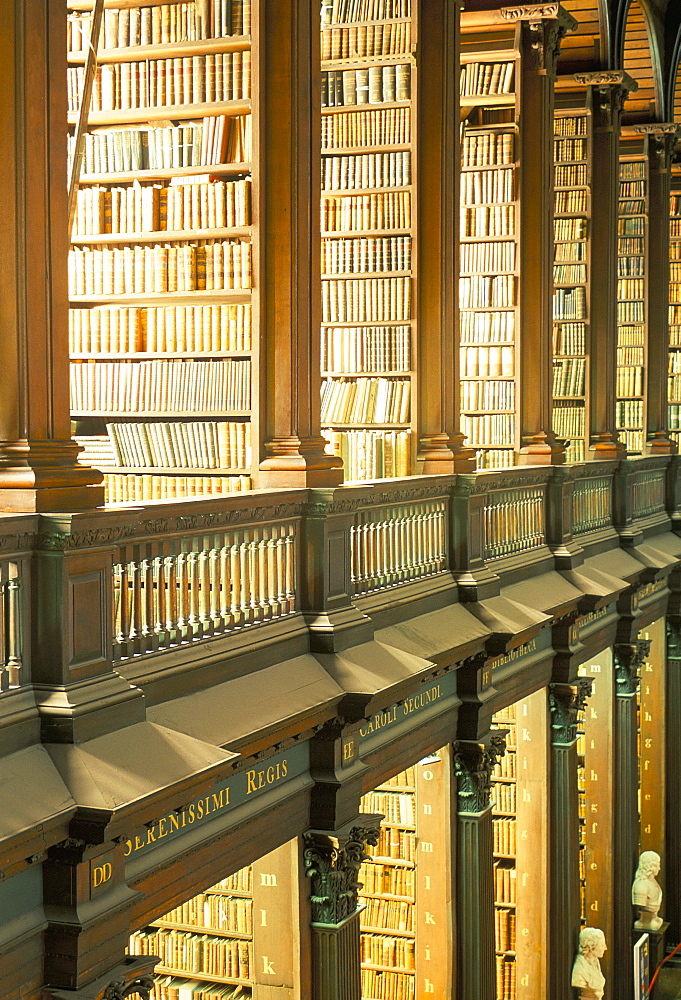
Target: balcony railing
132 585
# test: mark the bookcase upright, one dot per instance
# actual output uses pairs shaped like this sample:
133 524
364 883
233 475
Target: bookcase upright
674 380
164 257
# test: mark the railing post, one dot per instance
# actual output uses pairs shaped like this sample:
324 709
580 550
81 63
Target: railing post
467 533
78 694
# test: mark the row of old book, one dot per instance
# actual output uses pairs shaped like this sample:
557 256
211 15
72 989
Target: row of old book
214 912
628 412
480 186
383 127
391 914
379 985
486 362
568 419
358 41
366 400
630 380
160 329
482 291
487 394
158 83
366 349
347 11
371 454
366 300
396 807
164 24
487 327
572 201
569 303
569 274
161 386
569 125
173 988
129 149
488 429
569 338
571 175
141 270
486 149
493 258
124 487
568 150
486 78
487 220
384 950
366 254
202 444
154 208
366 170
381 210
184 950
366 85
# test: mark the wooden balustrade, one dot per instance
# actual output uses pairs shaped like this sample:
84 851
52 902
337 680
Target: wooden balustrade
514 521
167 574
648 493
169 590
591 504
398 543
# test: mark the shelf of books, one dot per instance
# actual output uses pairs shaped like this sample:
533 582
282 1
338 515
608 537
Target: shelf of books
205 945
488 282
571 266
581 799
163 253
388 923
674 379
504 814
367 333
632 248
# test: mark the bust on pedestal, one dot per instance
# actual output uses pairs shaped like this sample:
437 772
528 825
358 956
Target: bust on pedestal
646 894
586 971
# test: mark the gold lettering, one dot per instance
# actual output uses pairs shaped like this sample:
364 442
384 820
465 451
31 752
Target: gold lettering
162 832
426 847
151 836
594 907
427 809
250 782
128 849
428 775
191 813
426 879
594 866
138 843
101 874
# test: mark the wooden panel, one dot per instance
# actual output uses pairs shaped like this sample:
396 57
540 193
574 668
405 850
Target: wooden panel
638 61
653 734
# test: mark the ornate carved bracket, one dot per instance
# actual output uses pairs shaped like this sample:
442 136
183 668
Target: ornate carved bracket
474 763
629 657
333 869
662 138
673 629
119 989
565 703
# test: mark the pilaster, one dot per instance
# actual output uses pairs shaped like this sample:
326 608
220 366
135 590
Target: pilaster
289 115
474 763
661 141
565 702
608 92
672 833
540 37
440 448
332 864
38 460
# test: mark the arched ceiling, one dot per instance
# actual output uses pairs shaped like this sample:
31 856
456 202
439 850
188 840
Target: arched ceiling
586 48
641 62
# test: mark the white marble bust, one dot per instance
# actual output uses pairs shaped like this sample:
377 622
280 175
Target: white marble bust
646 894
586 971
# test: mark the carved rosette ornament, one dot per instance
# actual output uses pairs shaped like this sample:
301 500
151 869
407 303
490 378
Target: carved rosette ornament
333 870
474 763
566 701
120 989
629 658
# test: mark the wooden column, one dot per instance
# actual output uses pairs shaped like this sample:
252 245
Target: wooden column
653 740
38 459
600 795
332 862
287 95
672 898
628 660
565 701
661 141
278 958
437 176
608 91
540 43
475 890
436 917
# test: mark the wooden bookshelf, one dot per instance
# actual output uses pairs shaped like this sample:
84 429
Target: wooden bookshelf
674 379
632 293
504 812
206 941
367 226
571 277
489 255
163 265
388 920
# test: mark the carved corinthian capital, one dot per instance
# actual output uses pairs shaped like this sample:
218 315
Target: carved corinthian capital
474 763
565 703
332 865
629 657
